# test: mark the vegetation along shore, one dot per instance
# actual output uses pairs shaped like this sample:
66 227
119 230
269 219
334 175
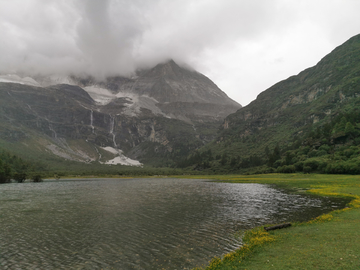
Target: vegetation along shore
330 241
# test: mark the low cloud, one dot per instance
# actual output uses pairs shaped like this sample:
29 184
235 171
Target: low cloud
111 37
234 42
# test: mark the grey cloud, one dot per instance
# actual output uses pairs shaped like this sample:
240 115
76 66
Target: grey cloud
107 35
111 37
234 42
184 29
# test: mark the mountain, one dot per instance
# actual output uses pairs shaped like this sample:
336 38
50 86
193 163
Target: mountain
166 89
155 117
299 121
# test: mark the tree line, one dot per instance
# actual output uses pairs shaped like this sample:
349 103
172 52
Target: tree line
13 167
329 147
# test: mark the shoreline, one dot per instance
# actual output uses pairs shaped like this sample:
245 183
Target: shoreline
307 245
328 241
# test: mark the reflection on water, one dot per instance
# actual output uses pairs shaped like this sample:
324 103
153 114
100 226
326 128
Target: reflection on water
136 223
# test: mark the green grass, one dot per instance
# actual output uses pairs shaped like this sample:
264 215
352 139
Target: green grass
330 241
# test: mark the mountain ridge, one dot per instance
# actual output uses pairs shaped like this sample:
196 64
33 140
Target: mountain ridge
284 115
82 120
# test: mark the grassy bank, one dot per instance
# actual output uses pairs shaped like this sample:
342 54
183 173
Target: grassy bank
331 241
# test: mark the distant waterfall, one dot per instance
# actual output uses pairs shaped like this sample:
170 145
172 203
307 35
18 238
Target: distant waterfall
97 150
92 121
112 124
51 128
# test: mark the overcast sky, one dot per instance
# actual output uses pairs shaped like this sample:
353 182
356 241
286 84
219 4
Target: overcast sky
244 46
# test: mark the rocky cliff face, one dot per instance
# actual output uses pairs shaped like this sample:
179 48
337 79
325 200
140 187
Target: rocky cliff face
157 116
167 89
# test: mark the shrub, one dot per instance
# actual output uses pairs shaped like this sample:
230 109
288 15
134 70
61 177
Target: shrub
5 173
321 153
20 177
294 160
357 141
299 166
304 150
278 163
312 153
312 163
322 166
348 152
325 148
264 170
286 169
335 168
36 178
307 169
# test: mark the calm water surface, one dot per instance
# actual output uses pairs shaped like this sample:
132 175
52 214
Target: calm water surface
136 223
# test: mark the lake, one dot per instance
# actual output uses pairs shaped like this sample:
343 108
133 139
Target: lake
137 223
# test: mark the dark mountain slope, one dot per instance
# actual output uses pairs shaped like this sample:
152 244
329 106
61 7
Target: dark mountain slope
315 90
145 118
287 112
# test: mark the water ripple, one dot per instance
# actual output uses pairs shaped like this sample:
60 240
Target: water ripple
136 223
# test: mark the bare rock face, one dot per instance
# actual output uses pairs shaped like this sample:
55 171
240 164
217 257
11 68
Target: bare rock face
169 90
171 83
157 116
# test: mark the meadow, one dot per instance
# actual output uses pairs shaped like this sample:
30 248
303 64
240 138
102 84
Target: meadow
330 241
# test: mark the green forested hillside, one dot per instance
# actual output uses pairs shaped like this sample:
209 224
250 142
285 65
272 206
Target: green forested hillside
309 122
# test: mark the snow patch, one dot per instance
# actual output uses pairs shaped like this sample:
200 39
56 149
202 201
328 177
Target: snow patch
12 78
101 95
123 161
138 102
37 80
99 91
104 96
55 79
120 159
111 150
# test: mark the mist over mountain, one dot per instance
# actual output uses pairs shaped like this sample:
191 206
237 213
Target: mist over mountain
119 120
232 42
107 38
